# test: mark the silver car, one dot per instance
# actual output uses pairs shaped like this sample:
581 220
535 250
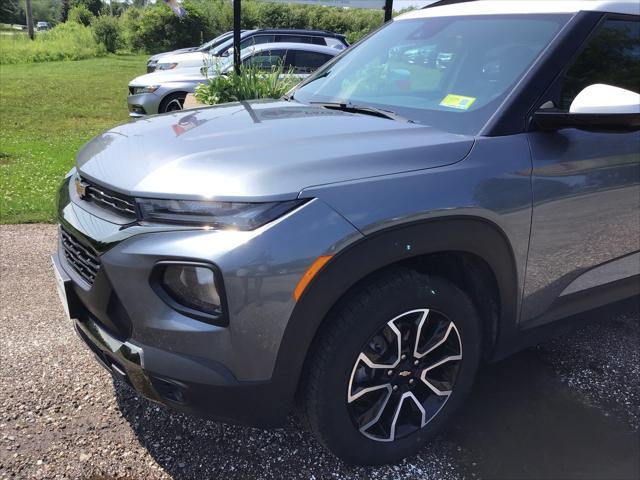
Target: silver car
165 91
365 244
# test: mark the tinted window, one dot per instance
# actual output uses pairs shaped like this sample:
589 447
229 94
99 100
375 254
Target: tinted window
448 72
307 62
294 38
611 56
255 40
266 60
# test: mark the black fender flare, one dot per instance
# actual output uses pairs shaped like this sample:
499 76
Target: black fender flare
381 249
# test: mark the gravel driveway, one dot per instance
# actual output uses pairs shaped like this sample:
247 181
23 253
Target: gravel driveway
567 409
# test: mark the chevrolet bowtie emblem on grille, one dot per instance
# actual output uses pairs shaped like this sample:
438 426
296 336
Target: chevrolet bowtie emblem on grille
81 187
406 373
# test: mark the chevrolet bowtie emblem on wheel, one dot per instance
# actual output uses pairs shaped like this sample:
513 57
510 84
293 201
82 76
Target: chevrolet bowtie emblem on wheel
81 187
406 373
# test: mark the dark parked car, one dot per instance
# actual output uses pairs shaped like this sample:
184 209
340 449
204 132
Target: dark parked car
248 38
439 195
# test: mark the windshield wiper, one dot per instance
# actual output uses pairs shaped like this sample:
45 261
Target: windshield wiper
363 109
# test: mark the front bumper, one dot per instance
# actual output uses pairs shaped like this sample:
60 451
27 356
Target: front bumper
143 104
141 367
180 361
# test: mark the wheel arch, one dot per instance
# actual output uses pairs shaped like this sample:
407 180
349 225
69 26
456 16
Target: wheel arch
170 96
477 243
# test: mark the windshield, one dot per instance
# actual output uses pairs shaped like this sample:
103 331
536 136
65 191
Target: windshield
225 45
215 42
447 72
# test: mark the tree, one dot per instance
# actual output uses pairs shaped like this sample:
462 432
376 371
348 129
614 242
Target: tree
11 11
94 6
64 10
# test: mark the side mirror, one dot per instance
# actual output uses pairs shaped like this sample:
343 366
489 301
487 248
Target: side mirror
601 108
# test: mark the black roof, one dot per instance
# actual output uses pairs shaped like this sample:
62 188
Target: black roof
296 31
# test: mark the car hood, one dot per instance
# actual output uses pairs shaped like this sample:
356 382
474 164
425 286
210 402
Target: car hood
193 58
164 76
259 151
158 56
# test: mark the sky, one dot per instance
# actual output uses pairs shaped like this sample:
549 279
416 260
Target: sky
400 4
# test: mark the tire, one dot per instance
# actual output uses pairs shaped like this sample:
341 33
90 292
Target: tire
338 401
172 103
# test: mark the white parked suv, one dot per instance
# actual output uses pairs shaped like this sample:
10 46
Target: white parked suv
247 39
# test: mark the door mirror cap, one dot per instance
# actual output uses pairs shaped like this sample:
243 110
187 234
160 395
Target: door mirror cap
600 98
599 107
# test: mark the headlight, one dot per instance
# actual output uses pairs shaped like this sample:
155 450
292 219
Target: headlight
166 66
191 288
147 89
220 215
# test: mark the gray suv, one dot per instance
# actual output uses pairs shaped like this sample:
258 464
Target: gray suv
436 197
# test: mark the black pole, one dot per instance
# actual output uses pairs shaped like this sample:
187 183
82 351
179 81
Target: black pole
29 16
236 35
388 10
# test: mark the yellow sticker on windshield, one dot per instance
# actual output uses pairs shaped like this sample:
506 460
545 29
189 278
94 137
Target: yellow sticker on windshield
457 101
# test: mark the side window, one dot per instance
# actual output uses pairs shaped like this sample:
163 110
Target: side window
266 60
293 38
306 62
247 42
611 56
258 39
319 41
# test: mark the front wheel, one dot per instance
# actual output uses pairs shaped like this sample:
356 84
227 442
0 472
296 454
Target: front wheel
172 103
394 360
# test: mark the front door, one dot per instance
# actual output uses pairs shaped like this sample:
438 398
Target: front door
585 230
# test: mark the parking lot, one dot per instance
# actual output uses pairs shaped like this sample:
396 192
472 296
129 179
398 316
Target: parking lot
569 408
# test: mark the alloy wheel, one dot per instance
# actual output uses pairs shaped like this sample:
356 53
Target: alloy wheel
174 105
404 375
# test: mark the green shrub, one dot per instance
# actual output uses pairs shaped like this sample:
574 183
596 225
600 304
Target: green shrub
93 6
67 41
106 30
252 83
82 15
157 29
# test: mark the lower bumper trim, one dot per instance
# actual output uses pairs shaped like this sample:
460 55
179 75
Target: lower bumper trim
233 403
123 359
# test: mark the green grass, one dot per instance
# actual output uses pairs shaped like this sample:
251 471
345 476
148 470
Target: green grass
47 112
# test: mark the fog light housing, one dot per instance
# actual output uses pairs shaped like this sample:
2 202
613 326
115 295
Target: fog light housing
194 289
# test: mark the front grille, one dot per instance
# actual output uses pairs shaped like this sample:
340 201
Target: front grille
81 258
116 202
